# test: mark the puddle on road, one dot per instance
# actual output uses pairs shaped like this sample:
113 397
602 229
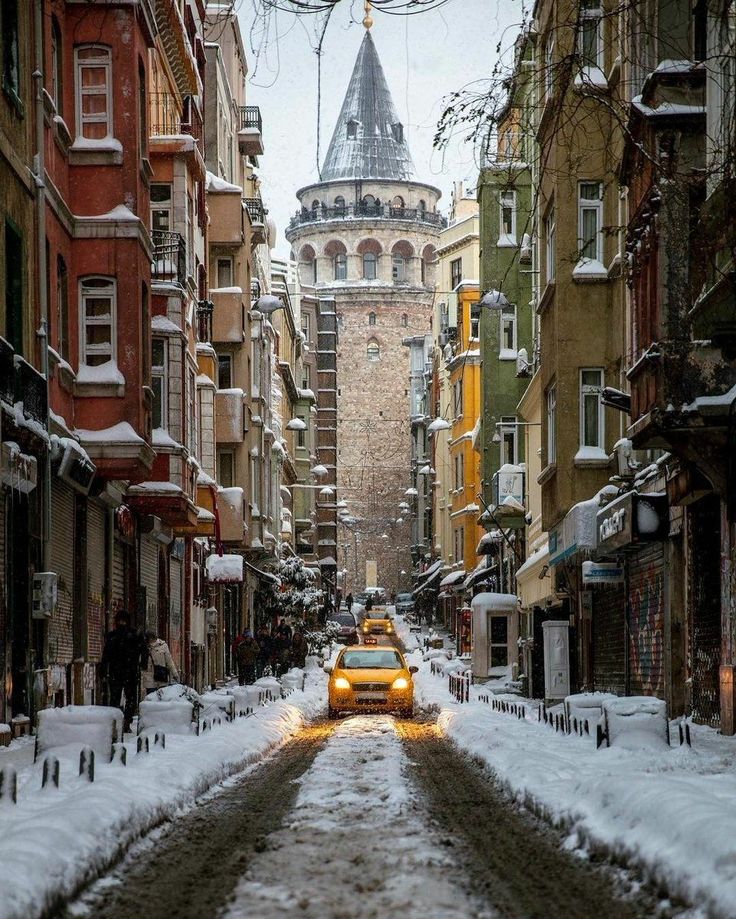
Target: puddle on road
357 843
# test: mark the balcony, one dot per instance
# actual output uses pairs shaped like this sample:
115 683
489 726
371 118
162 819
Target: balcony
7 372
228 314
229 417
367 212
257 216
250 131
30 389
226 218
169 258
205 309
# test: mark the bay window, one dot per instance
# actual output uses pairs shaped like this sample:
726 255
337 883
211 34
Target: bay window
590 39
158 383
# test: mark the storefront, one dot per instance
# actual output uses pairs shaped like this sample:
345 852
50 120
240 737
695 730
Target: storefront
535 591
495 636
629 595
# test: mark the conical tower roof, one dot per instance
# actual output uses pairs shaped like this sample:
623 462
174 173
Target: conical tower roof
368 142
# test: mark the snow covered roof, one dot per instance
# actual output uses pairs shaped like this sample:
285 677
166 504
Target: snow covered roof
120 433
369 141
534 561
578 531
502 603
454 577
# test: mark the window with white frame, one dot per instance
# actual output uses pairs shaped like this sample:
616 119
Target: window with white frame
591 408
499 641
459 470
456 272
93 85
224 271
509 433
475 321
590 39
301 436
590 222
370 266
508 345
158 383
161 206
306 376
305 326
98 314
507 219
549 64
551 425
457 397
550 229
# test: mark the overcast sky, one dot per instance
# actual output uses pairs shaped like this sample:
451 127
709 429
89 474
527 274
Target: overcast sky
424 57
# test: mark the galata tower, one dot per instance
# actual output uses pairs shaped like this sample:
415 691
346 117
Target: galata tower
366 235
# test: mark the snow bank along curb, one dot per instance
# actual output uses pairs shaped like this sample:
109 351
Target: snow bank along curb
56 840
669 810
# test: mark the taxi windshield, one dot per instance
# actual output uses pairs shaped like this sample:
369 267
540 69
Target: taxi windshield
376 614
371 660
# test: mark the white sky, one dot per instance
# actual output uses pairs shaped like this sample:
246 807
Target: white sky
425 57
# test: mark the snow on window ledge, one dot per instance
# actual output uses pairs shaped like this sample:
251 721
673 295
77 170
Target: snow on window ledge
506 241
508 354
591 456
107 374
592 77
590 269
92 152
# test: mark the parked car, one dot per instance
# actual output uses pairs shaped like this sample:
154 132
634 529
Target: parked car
371 679
348 627
404 603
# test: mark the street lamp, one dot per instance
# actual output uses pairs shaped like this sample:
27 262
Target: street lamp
494 300
411 492
319 470
296 424
439 424
496 439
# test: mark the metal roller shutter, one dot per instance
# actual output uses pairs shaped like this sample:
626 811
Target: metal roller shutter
704 608
609 639
95 580
148 578
118 576
63 540
175 608
646 621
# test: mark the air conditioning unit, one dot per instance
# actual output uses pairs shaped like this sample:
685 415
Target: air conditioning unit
211 619
45 593
76 468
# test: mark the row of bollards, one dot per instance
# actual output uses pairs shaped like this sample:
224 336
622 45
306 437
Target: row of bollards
507 708
459 686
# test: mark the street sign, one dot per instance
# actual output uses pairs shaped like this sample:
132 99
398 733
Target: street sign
602 573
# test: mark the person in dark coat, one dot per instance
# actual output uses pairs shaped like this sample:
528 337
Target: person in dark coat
298 650
124 656
246 655
265 641
281 649
369 603
349 602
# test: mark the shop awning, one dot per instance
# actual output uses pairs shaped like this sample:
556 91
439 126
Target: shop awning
576 533
265 575
428 572
429 582
453 578
478 575
488 543
533 583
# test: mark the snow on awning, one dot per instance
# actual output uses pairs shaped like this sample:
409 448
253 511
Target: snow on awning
453 578
328 562
225 569
497 603
488 542
480 573
534 563
429 582
576 533
428 572
266 575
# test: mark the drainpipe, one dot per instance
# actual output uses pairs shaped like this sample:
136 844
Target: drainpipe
43 332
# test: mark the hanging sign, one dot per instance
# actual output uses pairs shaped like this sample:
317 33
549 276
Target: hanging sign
602 573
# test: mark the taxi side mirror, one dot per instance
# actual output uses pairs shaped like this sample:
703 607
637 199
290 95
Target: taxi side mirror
327 667
413 669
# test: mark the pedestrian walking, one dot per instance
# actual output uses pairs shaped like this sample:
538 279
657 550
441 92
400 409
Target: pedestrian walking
124 655
281 649
246 656
160 668
263 658
369 603
298 650
349 602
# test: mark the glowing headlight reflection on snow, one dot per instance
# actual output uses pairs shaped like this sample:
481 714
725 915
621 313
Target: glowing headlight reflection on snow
400 683
342 683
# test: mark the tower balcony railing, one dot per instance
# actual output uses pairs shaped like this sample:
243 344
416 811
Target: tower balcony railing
361 210
169 257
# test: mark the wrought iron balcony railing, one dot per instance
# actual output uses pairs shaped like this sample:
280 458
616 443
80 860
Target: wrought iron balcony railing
205 309
250 118
255 209
169 257
369 212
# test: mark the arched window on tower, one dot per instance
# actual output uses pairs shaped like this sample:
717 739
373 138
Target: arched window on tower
352 127
398 131
371 318
339 206
341 266
315 209
370 263
373 351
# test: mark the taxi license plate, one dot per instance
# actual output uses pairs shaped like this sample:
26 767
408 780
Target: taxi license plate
371 696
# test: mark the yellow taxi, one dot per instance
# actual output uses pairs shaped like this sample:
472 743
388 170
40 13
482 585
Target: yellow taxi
374 679
377 622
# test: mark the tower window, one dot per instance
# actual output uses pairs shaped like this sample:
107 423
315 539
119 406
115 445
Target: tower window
373 351
371 318
369 266
398 131
352 128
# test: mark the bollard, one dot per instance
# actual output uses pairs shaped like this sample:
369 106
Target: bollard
575 724
142 745
8 785
687 735
50 776
119 754
87 763
160 740
587 727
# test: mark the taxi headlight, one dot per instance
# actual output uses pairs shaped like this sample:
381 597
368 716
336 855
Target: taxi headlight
342 683
400 683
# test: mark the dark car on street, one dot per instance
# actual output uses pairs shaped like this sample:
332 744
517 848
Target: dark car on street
404 603
348 627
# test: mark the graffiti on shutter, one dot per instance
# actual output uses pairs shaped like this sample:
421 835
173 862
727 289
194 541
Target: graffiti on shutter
609 639
646 622
95 580
63 540
149 580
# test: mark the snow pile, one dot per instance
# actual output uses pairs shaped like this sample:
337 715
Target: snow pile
96 726
54 842
172 716
669 809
